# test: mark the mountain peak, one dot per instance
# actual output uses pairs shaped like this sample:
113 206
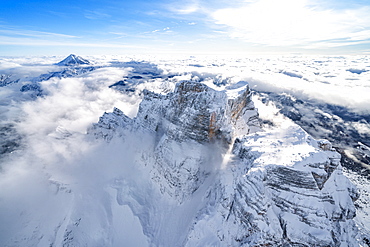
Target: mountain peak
72 60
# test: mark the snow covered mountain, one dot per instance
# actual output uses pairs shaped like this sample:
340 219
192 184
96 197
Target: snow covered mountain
184 159
6 80
72 69
73 60
235 185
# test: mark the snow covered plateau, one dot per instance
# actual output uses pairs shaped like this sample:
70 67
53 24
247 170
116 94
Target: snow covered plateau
185 151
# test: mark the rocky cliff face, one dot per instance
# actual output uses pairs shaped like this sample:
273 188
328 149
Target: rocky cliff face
226 182
183 124
192 112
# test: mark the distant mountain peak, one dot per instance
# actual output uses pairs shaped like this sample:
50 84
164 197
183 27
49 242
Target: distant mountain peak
72 60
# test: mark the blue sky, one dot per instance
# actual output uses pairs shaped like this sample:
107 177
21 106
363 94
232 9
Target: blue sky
48 27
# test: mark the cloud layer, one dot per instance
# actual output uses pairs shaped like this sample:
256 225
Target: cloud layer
56 157
58 170
300 23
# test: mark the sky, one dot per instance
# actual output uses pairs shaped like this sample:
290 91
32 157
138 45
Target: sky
96 27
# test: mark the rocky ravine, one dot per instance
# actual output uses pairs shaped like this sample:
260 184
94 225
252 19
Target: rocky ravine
216 179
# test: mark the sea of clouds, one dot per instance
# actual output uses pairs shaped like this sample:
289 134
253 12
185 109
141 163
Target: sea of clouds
54 153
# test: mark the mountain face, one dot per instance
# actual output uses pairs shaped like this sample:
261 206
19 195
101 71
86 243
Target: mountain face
6 80
73 60
216 179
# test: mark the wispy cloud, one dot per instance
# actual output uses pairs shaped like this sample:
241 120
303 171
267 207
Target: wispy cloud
159 31
4 40
294 23
185 8
31 33
96 15
59 14
21 37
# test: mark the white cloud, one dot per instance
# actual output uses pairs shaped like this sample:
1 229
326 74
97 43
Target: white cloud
96 15
362 128
52 177
6 40
324 79
32 33
188 9
4 64
185 8
22 37
355 98
294 23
